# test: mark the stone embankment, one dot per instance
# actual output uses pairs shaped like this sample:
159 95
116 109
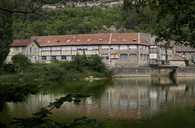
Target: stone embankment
132 72
186 72
148 72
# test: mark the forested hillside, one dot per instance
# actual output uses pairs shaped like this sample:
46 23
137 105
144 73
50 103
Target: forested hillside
68 21
80 20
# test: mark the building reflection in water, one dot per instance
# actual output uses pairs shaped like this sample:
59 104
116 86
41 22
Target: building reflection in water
125 99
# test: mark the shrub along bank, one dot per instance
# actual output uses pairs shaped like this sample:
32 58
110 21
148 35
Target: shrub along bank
80 67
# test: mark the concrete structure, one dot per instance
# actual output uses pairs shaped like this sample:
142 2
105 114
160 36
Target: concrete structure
186 52
177 61
116 49
157 55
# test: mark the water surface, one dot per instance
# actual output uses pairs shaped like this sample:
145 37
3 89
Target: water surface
125 99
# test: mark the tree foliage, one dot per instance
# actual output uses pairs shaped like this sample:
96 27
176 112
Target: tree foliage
8 9
68 21
91 63
5 35
21 62
174 19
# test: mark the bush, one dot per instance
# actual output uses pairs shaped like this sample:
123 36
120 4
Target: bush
8 68
91 65
79 68
95 63
53 73
21 62
16 87
80 62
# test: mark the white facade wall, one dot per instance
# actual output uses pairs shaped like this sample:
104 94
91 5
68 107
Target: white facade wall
31 51
14 51
111 54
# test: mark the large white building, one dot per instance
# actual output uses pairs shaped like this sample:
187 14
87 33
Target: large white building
116 49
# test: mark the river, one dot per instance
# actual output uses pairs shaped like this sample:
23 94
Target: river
125 99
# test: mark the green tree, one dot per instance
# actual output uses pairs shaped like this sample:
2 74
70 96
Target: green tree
5 35
9 8
68 21
174 20
21 62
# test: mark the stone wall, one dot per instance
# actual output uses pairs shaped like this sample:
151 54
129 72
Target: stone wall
179 63
133 71
186 72
147 72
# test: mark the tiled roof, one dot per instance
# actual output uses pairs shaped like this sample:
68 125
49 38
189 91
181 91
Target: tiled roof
21 43
90 39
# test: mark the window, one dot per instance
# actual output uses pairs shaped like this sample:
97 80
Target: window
56 49
63 57
43 58
153 46
124 56
114 56
92 47
124 47
45 49
133 47
74 48
53 58
69 58
66 48
193 58
105 47
114 47
73 57
105 54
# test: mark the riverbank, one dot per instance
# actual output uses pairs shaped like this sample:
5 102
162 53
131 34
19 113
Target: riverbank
22 78
42 98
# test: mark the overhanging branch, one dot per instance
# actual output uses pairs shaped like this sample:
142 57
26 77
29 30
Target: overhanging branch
16 11
6 10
